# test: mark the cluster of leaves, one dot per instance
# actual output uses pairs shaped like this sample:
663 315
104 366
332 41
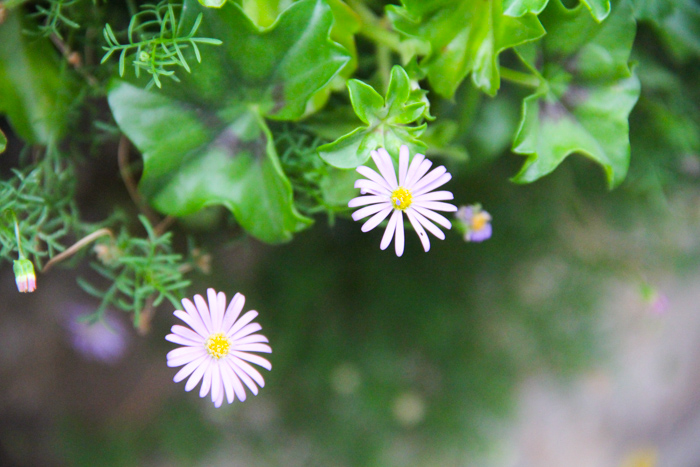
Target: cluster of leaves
142 272
40 198
160 45
280 102
53 17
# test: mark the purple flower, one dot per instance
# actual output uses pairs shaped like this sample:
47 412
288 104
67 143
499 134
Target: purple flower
105 340
475 222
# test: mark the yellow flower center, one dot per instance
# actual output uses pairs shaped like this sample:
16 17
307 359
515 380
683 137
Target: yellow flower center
401 198
480 220
218 345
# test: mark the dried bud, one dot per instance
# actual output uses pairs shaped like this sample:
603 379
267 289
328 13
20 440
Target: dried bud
106 253
75 60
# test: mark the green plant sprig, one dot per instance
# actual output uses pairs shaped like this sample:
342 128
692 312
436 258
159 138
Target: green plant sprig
142 271
42 198
53 17
158 51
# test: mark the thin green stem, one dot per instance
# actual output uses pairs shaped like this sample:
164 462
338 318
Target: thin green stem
372 27
12 214
518 77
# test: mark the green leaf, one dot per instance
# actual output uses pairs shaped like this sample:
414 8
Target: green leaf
224 158
3 142
212 3
36 91
465 36
518 8
386 122
653 10
598 8
276 69
586 93
679 28
205 141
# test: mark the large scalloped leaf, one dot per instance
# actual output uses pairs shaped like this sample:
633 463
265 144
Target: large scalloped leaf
598 8
522 7
205 141
586 93
465 36
35 92
276 69
195 158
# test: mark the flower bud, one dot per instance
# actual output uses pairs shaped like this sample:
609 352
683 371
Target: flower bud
24 275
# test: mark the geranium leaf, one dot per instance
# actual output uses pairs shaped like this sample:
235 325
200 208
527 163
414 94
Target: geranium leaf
386 122
35 91
3 142
586 93
205 141
211 158
465 36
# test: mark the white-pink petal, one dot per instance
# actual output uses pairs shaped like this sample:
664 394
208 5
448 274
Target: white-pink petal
246 379
370 210
204 312
441 180
187 333
245 319
187 370
183 355
193 321
365 200
403 164
206 380
399 238
435 206
434 196
390 228
226 379
433 216
368 186
249 370
253 348
419 230
421 168
245 331
197 374
253 338
232 312
376 219
215 384
236 382
386 166
432 228
176 339
430 177
374 176
252 358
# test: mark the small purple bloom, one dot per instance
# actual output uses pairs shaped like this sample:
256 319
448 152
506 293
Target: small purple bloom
104 341
475 223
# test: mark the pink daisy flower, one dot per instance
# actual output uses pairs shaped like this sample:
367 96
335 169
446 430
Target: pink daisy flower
216 347
412 194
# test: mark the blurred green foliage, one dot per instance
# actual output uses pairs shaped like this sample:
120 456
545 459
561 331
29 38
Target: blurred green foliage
376 360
